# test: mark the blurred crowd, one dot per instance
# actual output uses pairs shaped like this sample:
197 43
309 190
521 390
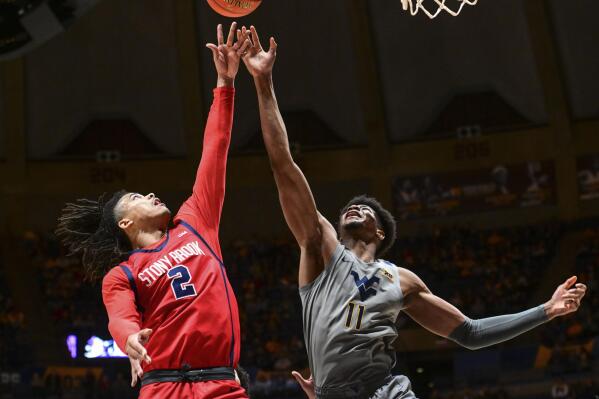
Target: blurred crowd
470 393
93 383
559 389
570 337
482 272
12 323
72 303
584 389
264 277
583 325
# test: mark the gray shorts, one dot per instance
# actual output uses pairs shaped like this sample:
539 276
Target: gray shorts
393 387
397 387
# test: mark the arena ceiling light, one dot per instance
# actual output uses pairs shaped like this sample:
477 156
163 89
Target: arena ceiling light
25 24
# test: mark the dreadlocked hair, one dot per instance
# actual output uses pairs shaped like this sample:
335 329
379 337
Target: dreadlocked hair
384 219
89 229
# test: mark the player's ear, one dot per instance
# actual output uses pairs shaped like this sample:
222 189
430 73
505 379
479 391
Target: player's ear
380 234
125 223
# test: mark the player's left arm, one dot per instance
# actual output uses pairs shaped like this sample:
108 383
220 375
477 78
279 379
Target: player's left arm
206 202
442 318
124 321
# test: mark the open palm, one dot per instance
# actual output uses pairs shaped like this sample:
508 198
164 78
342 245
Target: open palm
258 61
227 54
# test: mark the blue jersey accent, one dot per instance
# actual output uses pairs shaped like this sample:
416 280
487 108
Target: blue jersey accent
365 284
194 231
133 287
222 270
157 249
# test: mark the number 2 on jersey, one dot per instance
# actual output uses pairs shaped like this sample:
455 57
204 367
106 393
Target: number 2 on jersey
180 284
350 315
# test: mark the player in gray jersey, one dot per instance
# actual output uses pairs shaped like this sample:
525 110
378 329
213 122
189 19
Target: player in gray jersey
351 298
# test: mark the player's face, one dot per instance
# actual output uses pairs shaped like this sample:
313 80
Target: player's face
359 219
144 211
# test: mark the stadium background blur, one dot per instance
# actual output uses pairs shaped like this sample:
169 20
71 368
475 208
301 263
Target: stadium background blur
480 132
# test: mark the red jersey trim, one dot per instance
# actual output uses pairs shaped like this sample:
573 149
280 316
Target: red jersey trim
222 270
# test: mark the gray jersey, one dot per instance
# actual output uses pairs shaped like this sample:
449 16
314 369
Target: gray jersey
349 314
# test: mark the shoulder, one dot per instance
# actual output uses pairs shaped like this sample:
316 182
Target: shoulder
116 276
401 271
410 282
392 265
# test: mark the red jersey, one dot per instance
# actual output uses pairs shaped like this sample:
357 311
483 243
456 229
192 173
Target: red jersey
178 287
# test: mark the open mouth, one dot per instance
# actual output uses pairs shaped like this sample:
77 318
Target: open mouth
352 214
157 202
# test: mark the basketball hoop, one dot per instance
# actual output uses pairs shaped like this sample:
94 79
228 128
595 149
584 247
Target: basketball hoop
416 5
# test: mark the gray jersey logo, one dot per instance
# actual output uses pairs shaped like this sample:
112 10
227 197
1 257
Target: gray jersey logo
365 284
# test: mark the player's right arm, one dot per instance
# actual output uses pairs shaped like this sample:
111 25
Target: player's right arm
314 234
124 321
204 207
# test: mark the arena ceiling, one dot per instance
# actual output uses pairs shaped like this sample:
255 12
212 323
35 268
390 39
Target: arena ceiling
121 61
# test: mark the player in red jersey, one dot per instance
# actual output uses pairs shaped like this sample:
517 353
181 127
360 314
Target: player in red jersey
168 299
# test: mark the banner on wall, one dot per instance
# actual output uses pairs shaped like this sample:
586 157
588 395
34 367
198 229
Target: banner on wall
588 177
499 187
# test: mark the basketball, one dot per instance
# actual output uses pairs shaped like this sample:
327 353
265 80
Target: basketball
234 8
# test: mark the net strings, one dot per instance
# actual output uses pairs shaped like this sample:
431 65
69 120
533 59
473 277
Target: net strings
416 5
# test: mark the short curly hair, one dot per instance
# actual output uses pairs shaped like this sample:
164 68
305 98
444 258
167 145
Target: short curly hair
384 219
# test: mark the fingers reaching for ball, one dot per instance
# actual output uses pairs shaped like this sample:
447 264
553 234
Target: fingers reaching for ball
258 62
273 46
255 38
231 35
244 47
226 54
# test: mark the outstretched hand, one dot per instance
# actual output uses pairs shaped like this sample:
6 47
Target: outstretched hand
566 298
134 348
226 55
258 61
306 384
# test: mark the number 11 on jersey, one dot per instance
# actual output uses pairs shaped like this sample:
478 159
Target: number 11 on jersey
351 307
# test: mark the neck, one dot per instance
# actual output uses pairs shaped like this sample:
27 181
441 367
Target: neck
365 251
146 238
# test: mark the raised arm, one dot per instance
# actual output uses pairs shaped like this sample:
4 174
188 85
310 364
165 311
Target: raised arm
314 234
203 208
444 319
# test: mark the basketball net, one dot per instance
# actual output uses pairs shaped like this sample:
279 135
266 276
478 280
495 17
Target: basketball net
416 5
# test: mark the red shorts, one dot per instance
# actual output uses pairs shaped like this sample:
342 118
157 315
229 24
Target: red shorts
228 389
